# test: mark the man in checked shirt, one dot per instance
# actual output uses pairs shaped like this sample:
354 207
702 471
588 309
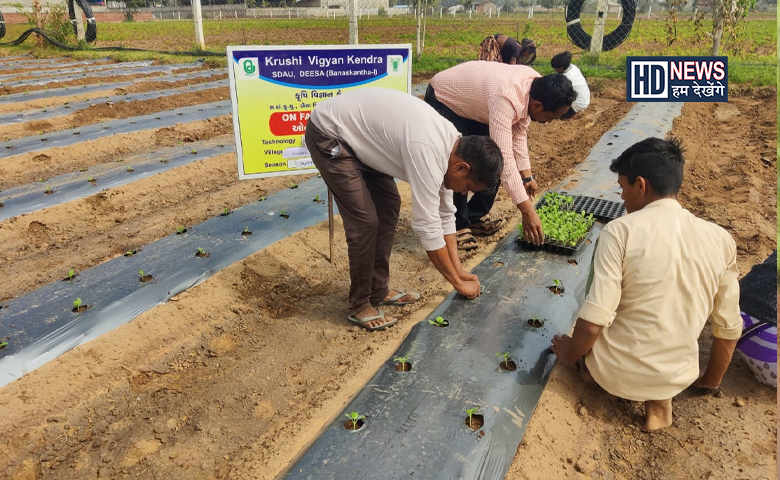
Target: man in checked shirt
500 100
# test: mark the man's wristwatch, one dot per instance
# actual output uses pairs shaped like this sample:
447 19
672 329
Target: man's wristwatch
527 179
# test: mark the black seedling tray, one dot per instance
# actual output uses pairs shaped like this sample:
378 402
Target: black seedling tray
555 246
604 210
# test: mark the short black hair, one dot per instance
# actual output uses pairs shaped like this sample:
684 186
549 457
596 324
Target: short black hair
484 157
658 161
562 60
554 91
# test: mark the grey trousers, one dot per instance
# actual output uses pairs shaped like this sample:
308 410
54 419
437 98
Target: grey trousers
369 204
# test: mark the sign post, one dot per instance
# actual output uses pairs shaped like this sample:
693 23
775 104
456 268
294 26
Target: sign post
275 88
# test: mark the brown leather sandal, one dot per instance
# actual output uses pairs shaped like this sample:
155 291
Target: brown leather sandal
466 241
486 226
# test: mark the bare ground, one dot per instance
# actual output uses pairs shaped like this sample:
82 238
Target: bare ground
232 378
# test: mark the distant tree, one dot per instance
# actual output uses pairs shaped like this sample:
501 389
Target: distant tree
726 16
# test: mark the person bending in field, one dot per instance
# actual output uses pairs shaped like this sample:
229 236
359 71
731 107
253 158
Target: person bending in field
505 49
561 63
359 141
488 98
658 274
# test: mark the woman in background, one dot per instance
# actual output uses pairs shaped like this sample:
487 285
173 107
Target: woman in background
503 48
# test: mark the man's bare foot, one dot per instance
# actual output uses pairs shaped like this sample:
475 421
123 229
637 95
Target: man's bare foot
372 312
584 372
658 414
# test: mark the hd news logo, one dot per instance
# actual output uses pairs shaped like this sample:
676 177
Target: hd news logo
677 79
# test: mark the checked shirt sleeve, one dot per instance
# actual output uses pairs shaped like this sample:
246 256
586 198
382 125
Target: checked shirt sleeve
503 133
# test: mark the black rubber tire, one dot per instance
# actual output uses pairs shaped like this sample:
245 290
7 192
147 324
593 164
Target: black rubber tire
90 34
2 25
578 37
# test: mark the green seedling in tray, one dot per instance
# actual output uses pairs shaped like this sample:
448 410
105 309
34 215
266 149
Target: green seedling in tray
560 223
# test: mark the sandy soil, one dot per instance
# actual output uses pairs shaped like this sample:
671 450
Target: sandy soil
209 385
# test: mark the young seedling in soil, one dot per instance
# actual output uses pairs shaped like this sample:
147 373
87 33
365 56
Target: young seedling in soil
355 422
181 230
507 363
130 253
317 199
144 278
48 191
261 199
557 287
91 180
536 322
194 152
3 345
246 231
42 179
130 169
78 307
474 420
293 185
225 212
283 214
439 322
402 365
71 275
202 253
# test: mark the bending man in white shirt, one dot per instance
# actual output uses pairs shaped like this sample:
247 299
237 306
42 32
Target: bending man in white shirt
359 141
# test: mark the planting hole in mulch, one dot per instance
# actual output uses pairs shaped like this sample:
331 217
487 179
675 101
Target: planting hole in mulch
284 216
202 254
48 192
80 308
70 279
145 278
92 181
354 426
509 366
476 422
246 232
181 231
130 253
498 264
403 367
536 322
442 324
572 261
558 290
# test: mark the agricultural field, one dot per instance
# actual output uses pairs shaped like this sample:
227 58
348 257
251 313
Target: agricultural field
234 377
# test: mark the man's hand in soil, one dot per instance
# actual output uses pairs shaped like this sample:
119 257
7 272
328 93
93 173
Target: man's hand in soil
469 289
468 277
532 225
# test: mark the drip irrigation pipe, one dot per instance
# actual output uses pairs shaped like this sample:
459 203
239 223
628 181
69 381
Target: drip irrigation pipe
76 90
115 294
144 70
49 113
73 186
65 138
49 37
416 420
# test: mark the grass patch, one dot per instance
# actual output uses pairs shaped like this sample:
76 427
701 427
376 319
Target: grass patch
752 57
